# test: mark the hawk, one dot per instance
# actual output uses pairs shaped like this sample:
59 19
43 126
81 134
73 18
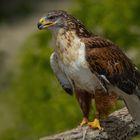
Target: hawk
91 67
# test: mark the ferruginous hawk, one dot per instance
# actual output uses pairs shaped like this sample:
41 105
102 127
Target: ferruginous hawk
91 67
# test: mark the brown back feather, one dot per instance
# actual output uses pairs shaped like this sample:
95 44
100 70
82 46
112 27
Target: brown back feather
107 59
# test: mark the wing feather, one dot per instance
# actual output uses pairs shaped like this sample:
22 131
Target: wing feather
105 58
60 75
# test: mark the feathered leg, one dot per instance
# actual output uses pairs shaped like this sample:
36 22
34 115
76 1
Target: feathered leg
84 100
104 102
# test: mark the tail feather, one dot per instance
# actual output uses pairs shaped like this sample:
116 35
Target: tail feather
133 104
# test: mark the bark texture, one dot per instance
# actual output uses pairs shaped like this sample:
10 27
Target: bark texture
118 126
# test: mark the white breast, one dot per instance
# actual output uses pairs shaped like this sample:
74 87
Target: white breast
75 66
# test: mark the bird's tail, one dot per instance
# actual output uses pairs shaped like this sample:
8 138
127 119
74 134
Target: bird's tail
133 104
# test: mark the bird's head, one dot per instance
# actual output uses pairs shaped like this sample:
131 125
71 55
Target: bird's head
58 19
54 19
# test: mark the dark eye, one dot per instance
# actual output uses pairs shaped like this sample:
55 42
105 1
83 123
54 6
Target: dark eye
51 17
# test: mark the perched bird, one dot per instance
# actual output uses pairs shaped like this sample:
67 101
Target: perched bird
91 67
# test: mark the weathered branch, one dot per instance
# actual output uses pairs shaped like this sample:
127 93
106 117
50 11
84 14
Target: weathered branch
118 126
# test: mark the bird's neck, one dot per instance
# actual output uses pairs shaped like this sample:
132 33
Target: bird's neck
79 30
67 45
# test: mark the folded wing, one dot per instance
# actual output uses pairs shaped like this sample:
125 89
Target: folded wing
60 75
113 66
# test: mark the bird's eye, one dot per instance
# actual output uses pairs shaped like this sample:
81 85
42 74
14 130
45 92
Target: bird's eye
51 17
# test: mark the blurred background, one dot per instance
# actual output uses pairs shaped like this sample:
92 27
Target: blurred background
32 103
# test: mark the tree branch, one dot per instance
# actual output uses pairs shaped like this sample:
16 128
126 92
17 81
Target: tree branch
118 126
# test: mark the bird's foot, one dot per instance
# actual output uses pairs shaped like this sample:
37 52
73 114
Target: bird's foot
84 121
95 124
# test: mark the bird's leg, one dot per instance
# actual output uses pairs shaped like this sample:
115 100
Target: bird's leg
84 121
95 123
84 100
99 108
104 102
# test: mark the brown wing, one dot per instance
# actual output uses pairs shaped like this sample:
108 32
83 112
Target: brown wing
108 60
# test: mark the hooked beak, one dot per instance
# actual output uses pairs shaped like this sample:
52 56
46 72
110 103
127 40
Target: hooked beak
43 23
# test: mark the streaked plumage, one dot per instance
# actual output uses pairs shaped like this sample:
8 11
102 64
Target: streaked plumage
91 67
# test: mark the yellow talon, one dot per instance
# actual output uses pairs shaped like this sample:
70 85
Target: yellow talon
95 124
84 121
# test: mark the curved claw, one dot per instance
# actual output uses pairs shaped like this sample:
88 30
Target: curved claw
95 124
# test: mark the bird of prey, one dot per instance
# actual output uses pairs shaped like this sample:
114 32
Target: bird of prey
91 67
